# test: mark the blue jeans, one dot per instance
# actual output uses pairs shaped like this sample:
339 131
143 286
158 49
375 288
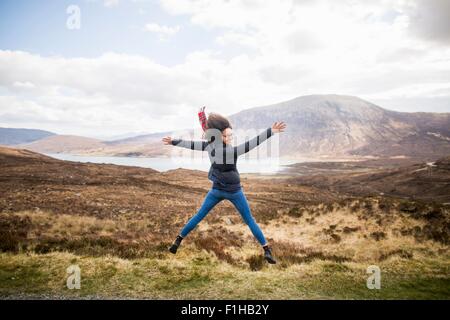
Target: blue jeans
238 199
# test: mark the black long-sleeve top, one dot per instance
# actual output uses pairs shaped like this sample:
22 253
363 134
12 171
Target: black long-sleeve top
223 172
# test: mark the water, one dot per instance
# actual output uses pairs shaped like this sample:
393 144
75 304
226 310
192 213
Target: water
266 165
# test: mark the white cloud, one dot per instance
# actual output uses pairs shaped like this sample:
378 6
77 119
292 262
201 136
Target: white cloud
163 32
354 47
110 3
430 19
115 92
282 50
230 38
24 85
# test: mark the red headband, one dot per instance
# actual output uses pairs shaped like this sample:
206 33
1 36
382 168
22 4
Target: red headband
202 118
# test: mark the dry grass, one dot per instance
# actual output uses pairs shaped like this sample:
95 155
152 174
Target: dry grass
356 230
322 248
200 275
116 222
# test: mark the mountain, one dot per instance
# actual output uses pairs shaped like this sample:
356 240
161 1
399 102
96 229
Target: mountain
13 136
64 144
140 146
144 138
338 125
318 126
122 136
335 126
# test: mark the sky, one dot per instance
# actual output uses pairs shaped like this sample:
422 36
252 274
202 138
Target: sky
103 68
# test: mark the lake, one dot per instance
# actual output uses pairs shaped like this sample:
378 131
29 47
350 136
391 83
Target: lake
266 165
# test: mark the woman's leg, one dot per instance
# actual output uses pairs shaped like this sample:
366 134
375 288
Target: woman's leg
210 201
241 204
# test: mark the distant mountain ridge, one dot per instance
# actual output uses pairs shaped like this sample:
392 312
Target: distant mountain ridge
14 136
328 125
63 144
341 125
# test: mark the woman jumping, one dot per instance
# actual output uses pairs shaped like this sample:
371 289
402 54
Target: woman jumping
224 175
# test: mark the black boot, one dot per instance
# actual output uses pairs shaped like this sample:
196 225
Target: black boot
174 247
268 255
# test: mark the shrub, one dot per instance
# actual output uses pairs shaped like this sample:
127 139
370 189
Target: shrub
13 232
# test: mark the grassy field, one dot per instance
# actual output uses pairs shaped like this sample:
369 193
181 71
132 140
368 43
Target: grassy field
200 275
323 253
116 223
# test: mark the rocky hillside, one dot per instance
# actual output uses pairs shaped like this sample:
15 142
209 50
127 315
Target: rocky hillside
344 125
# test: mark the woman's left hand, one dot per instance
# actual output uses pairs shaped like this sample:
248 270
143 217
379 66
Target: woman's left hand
278 127
167 140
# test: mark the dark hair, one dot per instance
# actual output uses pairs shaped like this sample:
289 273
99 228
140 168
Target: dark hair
216 121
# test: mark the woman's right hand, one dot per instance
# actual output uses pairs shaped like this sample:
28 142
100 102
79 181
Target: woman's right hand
167 140
278 127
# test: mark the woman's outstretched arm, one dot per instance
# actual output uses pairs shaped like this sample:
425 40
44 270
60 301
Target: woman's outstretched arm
189 144
263 136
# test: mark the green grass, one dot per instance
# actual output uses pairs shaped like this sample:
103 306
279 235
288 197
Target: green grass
323 259
200 275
